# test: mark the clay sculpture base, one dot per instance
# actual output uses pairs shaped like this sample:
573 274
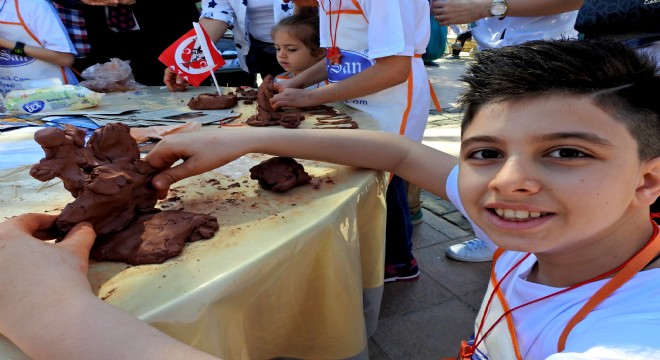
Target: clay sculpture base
154 238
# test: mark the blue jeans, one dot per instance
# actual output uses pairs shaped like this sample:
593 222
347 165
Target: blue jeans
398 232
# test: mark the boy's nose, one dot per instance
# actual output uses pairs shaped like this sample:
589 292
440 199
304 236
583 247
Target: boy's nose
516 176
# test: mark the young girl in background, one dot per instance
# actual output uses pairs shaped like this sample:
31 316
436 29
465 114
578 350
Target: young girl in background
297 44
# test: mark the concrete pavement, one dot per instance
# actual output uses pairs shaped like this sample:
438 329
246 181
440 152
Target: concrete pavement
428 318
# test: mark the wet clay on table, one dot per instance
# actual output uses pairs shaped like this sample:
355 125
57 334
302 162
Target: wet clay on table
279 174
112 191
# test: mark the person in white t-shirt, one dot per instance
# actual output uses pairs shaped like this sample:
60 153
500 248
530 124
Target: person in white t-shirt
558 167
34 46
374 64
498 23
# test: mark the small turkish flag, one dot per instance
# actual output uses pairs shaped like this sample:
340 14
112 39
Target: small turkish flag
193 56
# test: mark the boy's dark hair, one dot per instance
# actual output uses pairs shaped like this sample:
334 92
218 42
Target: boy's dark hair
304 27
620 81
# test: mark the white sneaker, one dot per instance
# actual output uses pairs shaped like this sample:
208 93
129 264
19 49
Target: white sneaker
475 250
457 46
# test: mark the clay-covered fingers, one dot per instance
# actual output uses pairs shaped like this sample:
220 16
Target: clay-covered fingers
195 149
173 81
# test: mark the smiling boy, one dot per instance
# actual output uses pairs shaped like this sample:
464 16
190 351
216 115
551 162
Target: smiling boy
559 163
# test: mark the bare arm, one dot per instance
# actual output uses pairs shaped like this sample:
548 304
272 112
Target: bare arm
385 73
417 163
49 310
40 53
467 11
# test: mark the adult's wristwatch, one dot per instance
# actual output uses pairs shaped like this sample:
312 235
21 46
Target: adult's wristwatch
498 8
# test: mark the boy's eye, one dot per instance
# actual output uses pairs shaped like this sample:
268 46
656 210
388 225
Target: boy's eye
566 153
485 154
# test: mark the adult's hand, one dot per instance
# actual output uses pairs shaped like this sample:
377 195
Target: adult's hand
448 12
173 81
32 271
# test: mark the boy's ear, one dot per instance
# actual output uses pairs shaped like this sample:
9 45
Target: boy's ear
649 187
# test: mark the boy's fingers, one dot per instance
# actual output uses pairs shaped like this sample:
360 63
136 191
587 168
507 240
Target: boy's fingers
165 179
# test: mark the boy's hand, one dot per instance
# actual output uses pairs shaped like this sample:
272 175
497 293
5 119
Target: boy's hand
200 153
173 81
37 273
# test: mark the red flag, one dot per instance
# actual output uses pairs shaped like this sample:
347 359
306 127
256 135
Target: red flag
192 57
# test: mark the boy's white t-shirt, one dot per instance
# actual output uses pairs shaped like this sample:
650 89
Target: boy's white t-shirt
624 326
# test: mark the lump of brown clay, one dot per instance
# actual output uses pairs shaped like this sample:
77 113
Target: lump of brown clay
110 184
210 101
279 174
266 115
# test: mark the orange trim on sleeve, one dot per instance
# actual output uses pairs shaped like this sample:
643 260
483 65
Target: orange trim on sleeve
18 13
436 102
357 5
404 119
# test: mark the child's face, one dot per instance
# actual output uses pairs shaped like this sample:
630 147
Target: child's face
550 176
292 54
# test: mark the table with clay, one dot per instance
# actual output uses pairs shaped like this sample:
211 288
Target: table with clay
294 275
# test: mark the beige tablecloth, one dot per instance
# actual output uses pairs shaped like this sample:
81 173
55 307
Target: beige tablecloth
284 276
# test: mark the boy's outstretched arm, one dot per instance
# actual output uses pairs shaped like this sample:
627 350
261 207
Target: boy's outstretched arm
47 307
387 72
201 152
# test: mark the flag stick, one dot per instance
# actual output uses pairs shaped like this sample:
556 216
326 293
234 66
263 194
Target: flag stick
215 82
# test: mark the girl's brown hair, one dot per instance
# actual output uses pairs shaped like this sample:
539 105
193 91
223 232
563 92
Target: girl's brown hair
304 27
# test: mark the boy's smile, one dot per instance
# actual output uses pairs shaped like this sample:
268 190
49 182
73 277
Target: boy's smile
552 176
